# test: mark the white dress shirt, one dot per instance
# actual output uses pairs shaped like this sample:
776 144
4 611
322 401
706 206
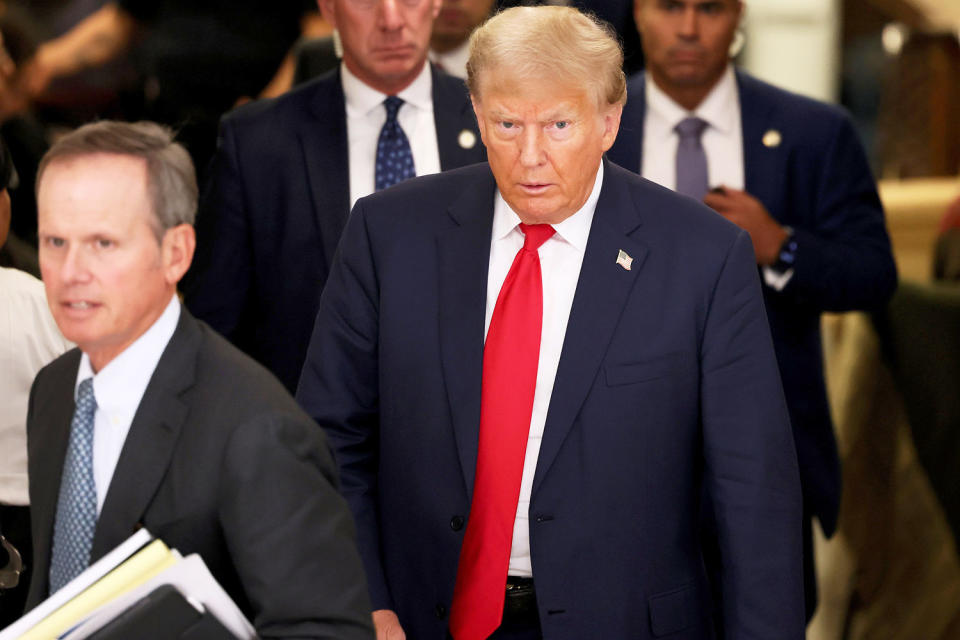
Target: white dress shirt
366 115
560 259
453 62
722 142
118 389
29 339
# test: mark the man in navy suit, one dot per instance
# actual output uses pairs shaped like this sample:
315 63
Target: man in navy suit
791 172
287 171
530 370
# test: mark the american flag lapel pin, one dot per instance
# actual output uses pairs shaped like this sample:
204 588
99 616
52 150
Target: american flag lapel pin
624 260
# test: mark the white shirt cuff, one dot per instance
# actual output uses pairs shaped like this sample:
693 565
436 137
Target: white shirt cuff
775 279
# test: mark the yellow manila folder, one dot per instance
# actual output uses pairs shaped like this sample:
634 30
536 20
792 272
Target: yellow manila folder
140 567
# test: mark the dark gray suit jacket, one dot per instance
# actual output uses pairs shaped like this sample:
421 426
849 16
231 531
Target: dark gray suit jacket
219 461
273 210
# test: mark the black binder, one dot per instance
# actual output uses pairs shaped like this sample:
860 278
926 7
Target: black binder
163 614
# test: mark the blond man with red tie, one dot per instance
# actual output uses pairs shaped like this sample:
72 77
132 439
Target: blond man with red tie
531 369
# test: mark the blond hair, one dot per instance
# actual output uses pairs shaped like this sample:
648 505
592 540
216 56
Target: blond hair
550 42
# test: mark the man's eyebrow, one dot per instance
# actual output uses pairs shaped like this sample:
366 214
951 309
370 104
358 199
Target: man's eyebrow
501 114
562 111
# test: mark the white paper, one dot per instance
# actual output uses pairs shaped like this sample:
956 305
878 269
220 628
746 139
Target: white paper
78 585
191 578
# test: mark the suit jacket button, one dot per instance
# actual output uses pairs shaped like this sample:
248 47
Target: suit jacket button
440 611
456 523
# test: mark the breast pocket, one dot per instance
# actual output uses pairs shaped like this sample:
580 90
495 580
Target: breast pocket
644 371
674 610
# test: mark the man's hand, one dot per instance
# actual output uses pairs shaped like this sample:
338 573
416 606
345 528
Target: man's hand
748 213
387 625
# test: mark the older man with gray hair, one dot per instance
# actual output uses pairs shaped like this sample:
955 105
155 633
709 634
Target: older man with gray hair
532 369
155 420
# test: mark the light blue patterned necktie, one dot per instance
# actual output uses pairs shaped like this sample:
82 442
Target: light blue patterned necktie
77 504
394 158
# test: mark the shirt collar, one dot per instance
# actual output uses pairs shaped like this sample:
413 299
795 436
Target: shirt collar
362 99
453 60
719 108
575 230
124 379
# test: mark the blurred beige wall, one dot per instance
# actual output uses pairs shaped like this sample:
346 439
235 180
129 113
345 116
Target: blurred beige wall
794 44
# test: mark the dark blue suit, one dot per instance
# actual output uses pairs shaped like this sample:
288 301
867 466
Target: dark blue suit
817 181
656 394
273 210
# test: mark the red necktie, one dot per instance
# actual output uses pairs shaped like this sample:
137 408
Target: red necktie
510 357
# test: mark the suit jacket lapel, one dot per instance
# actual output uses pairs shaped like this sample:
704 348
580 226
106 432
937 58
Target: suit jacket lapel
453 115
463 257
323 140
49 437
149 446
763 158
602 291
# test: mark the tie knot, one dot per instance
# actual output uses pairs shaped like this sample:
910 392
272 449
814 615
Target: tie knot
535 235
85 398
392 104
691 127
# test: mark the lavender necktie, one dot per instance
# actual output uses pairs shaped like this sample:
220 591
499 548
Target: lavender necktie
691 160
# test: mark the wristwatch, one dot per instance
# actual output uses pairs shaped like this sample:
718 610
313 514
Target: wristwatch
787 256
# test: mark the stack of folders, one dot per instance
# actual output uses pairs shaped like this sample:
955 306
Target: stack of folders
143 590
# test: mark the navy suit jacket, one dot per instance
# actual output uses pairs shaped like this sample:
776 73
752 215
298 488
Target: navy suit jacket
816 180
667 380
220 461
273 210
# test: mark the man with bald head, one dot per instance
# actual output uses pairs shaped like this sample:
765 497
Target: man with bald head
788 170
530 369
288 170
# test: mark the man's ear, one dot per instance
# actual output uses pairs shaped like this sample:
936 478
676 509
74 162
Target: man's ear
611 125
176 251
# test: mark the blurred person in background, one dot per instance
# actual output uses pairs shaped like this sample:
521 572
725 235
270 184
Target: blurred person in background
195 58
449 41
29 339
787 169
288 170
25 137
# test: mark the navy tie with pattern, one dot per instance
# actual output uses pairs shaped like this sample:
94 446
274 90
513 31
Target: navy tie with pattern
77 504
691 159
394 158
